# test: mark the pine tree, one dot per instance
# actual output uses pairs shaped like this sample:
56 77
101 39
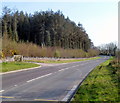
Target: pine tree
6 15
15 34
48 39
45 28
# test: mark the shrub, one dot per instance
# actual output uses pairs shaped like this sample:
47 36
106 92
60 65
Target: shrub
93 52
2 55
11 48
57 54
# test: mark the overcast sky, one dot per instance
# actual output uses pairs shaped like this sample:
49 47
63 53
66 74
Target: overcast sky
100 19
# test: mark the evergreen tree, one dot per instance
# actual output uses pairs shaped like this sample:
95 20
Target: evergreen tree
45 28
48 39
15 34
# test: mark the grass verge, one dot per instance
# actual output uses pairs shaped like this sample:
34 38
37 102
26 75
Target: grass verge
100 85
62 61
11 66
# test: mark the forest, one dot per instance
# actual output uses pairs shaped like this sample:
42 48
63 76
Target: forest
46 29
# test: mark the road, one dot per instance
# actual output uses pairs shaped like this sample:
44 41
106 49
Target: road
48 83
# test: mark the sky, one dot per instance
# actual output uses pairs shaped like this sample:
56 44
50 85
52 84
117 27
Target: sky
99 18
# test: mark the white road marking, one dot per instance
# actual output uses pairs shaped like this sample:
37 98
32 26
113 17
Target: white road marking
15 85
51 73
74 66
39 77
2 91
61 70
67 68
69 93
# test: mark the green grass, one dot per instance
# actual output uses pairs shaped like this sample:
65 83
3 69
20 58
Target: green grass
11 66
62 61
100 85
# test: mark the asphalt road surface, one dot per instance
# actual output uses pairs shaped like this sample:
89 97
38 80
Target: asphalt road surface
47 83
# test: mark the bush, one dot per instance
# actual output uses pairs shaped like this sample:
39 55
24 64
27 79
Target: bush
2 55
57 54
11 48
93 52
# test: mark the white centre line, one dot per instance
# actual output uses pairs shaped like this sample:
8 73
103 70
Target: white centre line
61 70
51 73
2 91
39 77
68 68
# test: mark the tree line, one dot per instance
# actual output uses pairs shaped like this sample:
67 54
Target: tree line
109 49
44 28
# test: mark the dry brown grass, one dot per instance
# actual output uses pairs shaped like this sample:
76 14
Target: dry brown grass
9 48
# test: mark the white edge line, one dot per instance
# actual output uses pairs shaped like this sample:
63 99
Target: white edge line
69 93
39 77
2 91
